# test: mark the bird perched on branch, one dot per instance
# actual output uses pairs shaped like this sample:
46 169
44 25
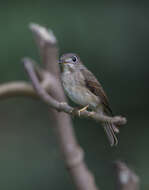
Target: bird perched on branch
83 88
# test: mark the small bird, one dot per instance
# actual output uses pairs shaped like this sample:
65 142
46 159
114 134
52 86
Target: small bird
83 88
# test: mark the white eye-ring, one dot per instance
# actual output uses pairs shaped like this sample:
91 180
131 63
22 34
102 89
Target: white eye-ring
74 59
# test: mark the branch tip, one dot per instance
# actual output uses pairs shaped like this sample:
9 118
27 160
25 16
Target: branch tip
126 178
28 63
45 34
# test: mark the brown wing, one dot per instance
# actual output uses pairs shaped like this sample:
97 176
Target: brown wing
95 87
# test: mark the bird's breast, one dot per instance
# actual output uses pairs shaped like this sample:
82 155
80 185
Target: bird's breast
70 81
75 88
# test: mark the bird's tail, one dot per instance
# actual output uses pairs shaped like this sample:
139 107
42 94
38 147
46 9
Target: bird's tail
111 131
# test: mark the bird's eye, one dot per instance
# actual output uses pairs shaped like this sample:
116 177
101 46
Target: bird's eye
74 59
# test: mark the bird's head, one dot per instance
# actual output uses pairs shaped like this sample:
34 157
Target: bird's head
70 61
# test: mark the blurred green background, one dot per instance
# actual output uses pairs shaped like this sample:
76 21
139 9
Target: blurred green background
112 39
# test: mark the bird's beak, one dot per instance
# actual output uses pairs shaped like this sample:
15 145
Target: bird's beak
62 62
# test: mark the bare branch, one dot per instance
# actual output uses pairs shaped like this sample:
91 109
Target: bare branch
126 178
18 88
47 45
71 151
36 84
25 89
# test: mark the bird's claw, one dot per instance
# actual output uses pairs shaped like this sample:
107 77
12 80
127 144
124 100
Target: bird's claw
82 109
78 111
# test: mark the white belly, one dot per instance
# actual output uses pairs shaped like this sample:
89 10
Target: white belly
78 93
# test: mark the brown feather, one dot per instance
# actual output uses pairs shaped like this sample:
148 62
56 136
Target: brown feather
95 87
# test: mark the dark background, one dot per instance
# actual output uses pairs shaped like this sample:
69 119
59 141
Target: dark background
112 39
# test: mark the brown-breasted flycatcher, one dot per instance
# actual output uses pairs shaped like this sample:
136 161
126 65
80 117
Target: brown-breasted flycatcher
83 88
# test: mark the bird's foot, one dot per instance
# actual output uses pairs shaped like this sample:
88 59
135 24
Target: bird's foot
78 111
82 109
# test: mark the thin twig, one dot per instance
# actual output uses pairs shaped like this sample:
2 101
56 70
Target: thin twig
23 88
17 88
126 178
